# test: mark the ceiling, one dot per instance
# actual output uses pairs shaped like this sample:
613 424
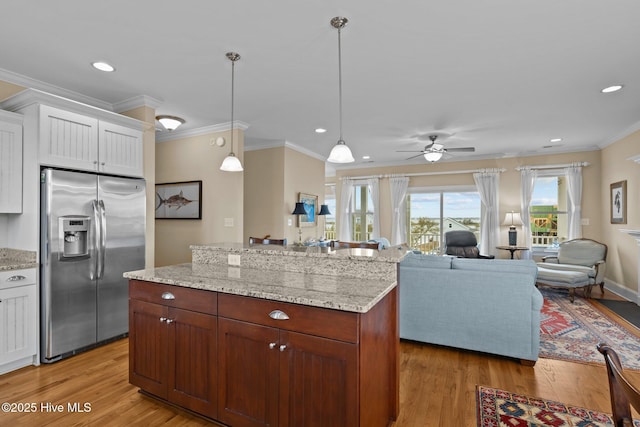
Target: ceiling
502 76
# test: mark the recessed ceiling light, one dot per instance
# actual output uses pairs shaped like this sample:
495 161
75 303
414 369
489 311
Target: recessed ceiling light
366 157
103 66
611 89
321 130
556 140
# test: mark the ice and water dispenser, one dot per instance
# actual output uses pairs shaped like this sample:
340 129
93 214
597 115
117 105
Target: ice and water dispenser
75 236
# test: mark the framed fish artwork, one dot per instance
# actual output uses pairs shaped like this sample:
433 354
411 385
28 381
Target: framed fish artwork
310 203
179 200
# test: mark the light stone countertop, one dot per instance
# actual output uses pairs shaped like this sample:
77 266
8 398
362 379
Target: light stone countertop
317 290
14 259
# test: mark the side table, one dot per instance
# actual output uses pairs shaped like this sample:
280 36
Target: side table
512 249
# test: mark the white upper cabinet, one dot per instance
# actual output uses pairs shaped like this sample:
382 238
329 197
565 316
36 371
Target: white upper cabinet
10 162
80 142
79 136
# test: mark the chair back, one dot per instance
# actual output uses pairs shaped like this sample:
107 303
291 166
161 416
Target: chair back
363 245
623 394
582 251
267 241
461 243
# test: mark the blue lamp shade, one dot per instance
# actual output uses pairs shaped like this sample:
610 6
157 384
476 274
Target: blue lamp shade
324 210
299 209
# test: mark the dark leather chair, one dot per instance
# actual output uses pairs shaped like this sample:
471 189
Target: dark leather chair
267 241
463 244
623 394
336 244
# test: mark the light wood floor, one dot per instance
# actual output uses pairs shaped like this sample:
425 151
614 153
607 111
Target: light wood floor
437 388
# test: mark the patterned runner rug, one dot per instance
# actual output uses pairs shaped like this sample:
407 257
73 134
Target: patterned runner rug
571 331
499 408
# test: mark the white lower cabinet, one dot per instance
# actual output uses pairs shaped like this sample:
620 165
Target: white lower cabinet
18 319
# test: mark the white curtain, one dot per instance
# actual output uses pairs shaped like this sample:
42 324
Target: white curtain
488 186
527 183
574 191
344 219
398 187
373 185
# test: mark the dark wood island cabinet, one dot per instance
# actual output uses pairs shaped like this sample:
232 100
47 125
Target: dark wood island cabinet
253 361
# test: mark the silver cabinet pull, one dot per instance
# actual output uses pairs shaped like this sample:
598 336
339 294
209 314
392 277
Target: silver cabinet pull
163 319
16 278
169 321
283 347
272 345
278 315
168 295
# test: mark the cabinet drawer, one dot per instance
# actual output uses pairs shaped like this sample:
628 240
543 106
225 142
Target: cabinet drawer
186 298
339 325
13 278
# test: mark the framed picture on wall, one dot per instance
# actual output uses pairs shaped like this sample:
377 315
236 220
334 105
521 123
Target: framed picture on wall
619 202
179 200
310 207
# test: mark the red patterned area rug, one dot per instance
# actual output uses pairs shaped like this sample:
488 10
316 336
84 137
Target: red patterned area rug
571 331
499 408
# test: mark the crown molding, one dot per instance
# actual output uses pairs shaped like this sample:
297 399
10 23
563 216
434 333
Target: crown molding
28 82
165 136
263 144
635 158
8 116
628 131
136 102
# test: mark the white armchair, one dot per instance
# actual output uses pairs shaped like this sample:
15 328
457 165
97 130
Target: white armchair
580 255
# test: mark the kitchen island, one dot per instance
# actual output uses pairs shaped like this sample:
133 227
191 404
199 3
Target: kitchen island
291 336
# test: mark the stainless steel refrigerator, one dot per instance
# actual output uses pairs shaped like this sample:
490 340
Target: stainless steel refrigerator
92 230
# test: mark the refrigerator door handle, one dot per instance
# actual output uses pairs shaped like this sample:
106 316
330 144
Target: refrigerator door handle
102 240
95 239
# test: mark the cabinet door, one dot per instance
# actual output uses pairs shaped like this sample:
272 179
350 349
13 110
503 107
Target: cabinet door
17 323
10 166
248 367
148 351
193 362
68 139
120 150
318 382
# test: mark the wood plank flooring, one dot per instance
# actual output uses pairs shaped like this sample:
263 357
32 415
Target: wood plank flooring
437 388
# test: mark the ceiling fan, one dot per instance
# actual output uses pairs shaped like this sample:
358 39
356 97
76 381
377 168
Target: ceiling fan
434 151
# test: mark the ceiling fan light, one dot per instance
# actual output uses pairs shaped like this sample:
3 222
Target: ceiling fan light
231 164
341 153
432 156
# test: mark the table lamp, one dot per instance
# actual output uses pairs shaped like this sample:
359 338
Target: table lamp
299 210
324 210
512 219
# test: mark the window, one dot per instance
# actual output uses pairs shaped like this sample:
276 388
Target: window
361 214
548 210
433 213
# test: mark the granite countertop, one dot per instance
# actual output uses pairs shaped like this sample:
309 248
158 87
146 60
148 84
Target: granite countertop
318 290
15 259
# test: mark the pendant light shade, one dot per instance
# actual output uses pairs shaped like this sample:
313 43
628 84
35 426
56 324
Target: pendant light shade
231 163
340 153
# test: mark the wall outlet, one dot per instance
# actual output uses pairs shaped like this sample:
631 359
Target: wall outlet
584 221
234 259
228 222
290 222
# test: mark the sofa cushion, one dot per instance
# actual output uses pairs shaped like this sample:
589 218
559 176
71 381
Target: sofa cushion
426 261
497 265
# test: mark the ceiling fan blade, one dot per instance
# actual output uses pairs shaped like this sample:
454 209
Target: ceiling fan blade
409 151
413 157
462 149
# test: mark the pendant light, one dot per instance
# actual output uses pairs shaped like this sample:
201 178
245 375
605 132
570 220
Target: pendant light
340 153
231 163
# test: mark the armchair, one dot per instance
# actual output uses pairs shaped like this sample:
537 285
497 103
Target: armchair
582 256
463 244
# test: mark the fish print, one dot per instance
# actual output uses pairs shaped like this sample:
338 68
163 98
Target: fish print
176 200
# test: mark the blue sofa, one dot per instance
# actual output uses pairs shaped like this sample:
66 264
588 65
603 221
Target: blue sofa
487 305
